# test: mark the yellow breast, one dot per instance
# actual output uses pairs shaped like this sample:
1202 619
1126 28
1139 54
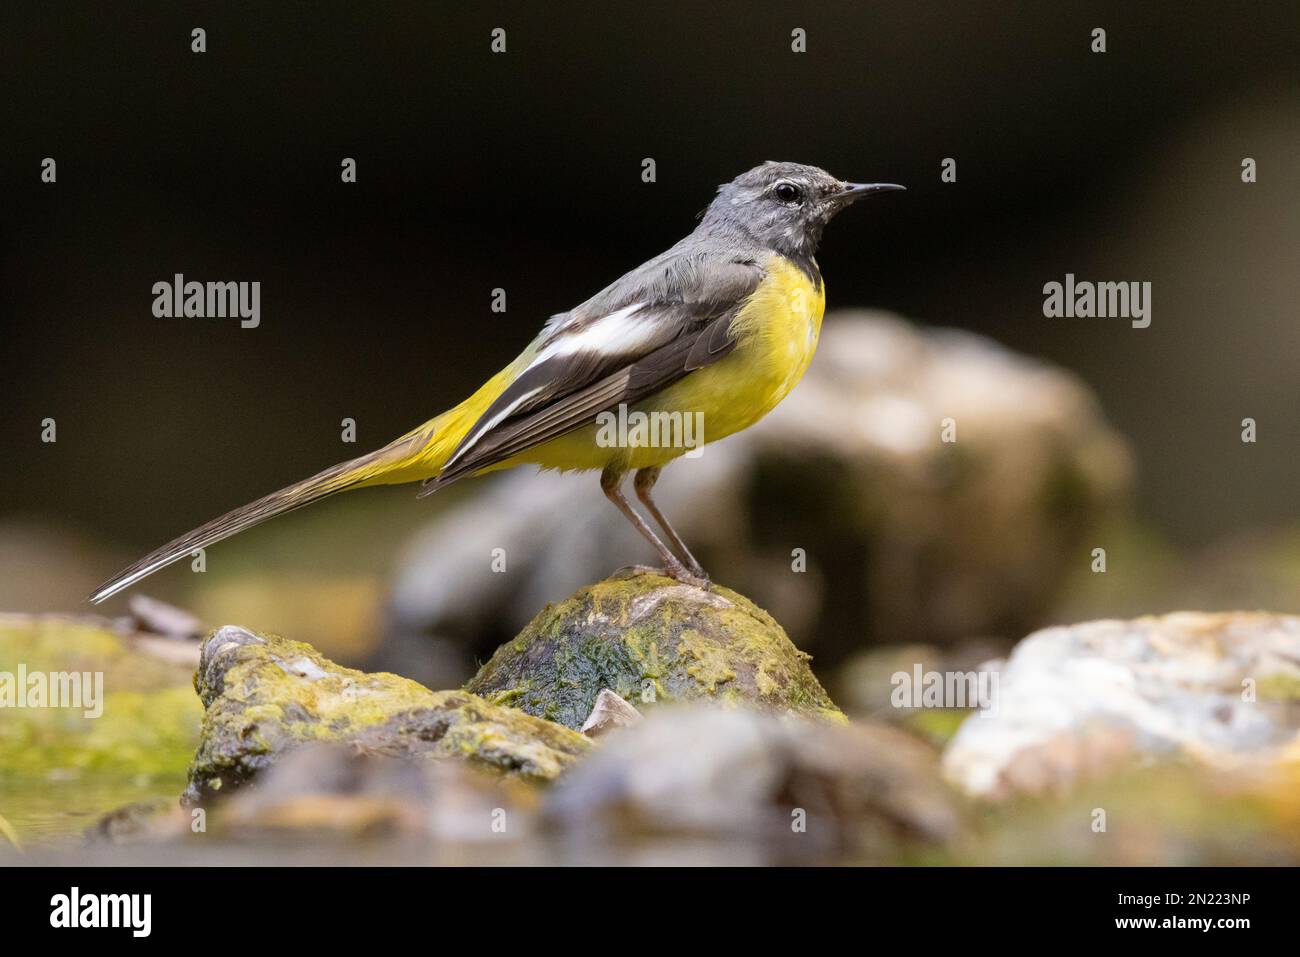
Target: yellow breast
778 329
776 333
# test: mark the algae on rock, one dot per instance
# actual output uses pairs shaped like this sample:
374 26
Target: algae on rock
59 767
651 639
265 695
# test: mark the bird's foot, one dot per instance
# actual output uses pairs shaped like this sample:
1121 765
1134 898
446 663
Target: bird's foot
677 572
696 569
694 575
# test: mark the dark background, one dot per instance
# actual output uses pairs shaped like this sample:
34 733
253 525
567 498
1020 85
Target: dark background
523 171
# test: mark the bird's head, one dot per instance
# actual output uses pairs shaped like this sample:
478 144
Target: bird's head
785 206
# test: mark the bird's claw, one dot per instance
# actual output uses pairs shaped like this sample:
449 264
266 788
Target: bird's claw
695 577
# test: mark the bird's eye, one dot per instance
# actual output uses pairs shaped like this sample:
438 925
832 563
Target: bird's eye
787 192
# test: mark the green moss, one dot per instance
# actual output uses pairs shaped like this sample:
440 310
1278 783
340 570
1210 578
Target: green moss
651 639
937 725
90 643
1279 686
61 768
265 694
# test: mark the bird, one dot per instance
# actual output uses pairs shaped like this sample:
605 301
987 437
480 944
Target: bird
716 330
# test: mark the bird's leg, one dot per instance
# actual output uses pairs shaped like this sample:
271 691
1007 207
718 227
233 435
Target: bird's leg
611 481
644 482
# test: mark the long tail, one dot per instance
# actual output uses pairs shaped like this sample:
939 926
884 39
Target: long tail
417 455
384 466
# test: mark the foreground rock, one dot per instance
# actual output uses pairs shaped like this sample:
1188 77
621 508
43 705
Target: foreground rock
650 639
1220 690
266 696
845 512
357 795
332 804
686 785
353 767
757 785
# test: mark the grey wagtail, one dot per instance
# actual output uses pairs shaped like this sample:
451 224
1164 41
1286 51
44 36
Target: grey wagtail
720 328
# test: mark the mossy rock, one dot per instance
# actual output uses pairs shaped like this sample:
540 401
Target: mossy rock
651 640
265 695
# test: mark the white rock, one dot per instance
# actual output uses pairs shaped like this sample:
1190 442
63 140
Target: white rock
1073 700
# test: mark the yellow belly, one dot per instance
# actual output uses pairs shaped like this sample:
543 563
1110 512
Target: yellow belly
776 335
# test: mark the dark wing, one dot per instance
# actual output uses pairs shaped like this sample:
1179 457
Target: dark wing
621 347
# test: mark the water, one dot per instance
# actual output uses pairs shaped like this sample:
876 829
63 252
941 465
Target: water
60 806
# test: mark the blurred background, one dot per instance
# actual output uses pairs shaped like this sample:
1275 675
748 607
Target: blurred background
875 544
523 171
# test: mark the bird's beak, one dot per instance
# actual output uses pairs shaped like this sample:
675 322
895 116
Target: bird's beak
856 191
